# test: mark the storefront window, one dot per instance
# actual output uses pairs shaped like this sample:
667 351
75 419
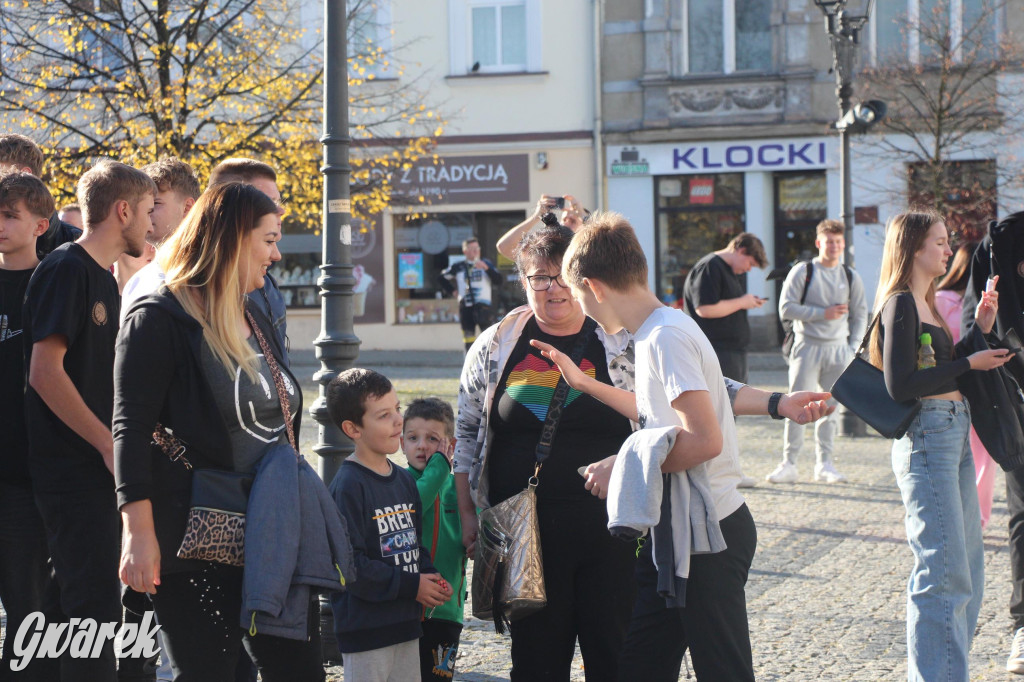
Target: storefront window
428 244
296 274
801 202
697 214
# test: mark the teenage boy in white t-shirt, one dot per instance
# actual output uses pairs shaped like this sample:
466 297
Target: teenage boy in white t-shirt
678 383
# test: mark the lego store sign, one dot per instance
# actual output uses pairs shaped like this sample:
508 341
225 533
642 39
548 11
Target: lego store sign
783 154
702 191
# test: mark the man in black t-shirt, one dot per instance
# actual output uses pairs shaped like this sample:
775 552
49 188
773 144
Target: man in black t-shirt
716 298
70 324
18 152
26 585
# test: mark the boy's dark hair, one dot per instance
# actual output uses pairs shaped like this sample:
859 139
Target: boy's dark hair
241 169
471 240
108 182
17 185
171 173
22 152
829 226
606 248
348 392
751 245
432 409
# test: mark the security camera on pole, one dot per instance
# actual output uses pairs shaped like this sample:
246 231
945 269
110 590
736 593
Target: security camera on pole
844 20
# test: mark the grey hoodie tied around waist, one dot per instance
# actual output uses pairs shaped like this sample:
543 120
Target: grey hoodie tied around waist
296 544
678 506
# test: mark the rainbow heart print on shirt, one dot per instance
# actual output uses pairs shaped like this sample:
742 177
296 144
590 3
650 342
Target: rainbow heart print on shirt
531 383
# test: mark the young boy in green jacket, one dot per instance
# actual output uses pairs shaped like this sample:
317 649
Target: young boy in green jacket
428 441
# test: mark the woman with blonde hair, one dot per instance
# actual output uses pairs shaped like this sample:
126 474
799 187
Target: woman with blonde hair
932 462
193 360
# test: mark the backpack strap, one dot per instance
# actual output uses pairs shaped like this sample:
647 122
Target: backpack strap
849 280
807 280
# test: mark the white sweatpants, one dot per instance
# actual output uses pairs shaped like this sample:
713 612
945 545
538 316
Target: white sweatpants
814 366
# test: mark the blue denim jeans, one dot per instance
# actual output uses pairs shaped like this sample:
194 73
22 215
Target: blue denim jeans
935 473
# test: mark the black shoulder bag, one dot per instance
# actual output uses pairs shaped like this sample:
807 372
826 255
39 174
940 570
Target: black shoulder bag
508 573
861 388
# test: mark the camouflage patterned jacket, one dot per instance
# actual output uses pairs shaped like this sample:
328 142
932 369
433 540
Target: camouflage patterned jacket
480 375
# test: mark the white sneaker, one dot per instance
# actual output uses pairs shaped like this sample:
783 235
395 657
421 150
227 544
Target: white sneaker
746 481
784 473
826 472
1015 663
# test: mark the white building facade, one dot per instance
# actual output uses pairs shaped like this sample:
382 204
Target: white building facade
516 86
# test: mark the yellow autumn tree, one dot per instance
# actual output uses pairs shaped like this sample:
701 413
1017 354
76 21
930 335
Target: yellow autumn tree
205 80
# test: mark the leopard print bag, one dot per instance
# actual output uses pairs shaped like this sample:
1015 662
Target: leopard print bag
215 530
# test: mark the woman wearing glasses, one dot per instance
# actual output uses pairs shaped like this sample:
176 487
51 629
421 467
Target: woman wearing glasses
504 395
505 392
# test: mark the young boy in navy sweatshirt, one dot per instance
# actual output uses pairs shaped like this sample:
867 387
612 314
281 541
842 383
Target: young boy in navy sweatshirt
377 620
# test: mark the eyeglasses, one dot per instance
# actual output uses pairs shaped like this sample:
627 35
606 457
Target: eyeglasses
543 282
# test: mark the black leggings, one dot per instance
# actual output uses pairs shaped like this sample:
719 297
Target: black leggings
199 616
588 575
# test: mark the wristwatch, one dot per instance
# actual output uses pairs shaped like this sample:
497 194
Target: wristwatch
773 406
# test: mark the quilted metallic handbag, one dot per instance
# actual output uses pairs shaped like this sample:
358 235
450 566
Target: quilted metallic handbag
215 529
508 569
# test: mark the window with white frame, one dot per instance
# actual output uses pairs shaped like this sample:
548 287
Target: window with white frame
922 30
494 36
727 36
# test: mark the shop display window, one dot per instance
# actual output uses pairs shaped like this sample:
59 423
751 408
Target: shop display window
296 274
697 214
801 202
425 245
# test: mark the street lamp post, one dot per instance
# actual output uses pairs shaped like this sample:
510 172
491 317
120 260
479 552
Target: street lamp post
844 20
337 346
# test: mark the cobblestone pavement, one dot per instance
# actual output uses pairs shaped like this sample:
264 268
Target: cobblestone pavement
826 596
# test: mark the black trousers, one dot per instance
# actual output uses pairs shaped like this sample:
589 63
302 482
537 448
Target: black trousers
588 575
1015 505
470 317
199 615
734 364
439 647
83 532
26 578
713 625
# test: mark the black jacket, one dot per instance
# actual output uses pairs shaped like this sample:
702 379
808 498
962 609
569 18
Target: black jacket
997 407
1000 253
59 232
158 378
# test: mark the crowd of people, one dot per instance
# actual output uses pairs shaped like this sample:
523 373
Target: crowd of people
146 354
